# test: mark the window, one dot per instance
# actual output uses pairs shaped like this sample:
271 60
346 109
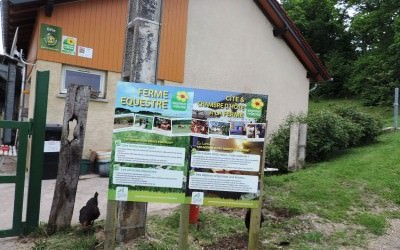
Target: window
81 76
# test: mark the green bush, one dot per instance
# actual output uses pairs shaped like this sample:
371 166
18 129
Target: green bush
328 132
370 127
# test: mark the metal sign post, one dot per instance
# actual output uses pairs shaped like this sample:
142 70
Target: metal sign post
396 107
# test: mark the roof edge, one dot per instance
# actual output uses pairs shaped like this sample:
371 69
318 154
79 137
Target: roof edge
285 28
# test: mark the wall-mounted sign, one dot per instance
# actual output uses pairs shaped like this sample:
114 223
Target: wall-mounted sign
68 45
50 37
85 52
185 145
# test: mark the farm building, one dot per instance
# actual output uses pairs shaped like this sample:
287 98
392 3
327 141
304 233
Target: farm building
241 45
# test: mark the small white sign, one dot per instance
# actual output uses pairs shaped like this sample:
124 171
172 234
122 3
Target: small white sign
121 193
68 45
85 52
197 198
52 146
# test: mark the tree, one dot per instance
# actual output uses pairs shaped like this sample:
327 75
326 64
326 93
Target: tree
324 25
376 29
361 50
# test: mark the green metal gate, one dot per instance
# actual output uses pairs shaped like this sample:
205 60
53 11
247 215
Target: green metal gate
36 130
19 177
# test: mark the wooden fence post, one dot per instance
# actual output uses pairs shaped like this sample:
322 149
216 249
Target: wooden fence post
302 145
297 146
76 108
293 146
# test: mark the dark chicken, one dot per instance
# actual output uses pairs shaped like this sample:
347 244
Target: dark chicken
247 219
90 212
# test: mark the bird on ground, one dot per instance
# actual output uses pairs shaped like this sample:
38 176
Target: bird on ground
89 212
247 219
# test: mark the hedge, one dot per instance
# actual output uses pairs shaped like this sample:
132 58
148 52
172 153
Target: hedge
328 133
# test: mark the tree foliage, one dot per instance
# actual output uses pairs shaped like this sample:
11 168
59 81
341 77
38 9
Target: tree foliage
358 41
324 26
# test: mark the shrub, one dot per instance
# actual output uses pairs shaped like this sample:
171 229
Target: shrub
328 132
370 127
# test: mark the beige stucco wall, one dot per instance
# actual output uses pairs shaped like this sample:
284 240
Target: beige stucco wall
230 46
100 121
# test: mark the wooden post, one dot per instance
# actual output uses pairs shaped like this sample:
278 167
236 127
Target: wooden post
255 216
140 65
293 146
302 145
76 107
110 225
184 227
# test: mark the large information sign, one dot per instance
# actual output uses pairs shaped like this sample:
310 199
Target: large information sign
184 145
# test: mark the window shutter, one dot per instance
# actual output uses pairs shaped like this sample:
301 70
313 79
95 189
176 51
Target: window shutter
171 61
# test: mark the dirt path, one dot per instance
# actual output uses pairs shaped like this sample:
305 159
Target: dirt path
390 240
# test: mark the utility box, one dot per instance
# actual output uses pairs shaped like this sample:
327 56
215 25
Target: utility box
51 150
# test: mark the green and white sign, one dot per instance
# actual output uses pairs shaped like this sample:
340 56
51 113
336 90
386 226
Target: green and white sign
50 37
68 45
186 145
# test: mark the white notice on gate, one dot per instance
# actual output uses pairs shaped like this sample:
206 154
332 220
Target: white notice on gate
149 154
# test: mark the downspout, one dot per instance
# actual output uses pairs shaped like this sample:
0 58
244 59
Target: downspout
313 88
21 97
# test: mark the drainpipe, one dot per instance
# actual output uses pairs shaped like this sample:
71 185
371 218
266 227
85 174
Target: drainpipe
21 97
313 88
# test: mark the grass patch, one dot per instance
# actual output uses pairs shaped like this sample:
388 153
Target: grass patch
163 232
72 238
331 188
347 238
313 237
357 188
375 224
